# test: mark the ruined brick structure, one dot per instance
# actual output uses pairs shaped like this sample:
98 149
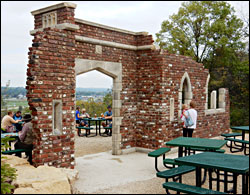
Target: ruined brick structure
148 90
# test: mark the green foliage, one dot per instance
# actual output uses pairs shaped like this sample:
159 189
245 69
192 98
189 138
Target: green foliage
211 33
200 29
7 173
93 107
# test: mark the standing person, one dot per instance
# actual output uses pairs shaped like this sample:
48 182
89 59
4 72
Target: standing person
188 131
8 121
184 109
26 138
108 115
18 116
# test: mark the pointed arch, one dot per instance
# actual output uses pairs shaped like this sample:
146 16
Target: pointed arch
185 91
114 70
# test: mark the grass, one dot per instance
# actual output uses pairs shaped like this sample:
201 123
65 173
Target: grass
16 103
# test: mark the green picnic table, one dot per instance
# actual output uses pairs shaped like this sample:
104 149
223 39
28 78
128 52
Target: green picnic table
11 135
97 123
202 143
241 128
236 164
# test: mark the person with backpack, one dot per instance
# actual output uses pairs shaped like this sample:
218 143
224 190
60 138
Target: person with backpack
190 119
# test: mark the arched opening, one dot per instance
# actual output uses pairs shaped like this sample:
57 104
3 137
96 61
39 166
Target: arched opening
113 70
94 93
185 91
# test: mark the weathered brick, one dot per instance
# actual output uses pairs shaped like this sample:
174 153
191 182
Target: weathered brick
149 79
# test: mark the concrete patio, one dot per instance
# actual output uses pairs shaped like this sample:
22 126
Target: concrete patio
104 173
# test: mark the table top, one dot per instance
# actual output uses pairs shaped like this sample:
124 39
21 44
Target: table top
243 128
95 119
197 142
225 162
9 135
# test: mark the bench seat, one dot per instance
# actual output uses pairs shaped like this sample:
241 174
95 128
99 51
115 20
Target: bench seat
170 161
231 134
237 140
171 173
238 149
15 151
184 188
203 150
85 128
157 153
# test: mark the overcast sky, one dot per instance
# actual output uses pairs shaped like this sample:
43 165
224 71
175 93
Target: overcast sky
17 21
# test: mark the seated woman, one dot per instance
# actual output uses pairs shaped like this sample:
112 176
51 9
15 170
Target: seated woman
79 117
84 115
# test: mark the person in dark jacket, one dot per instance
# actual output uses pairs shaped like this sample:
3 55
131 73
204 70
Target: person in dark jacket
26 138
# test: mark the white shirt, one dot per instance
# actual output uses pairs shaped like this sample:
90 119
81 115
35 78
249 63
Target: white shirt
193 115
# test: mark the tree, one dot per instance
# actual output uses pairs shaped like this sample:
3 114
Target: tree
211 33
200 29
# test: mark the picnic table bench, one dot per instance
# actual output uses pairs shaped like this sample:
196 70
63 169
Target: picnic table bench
87 129
243 142
9 152
157 153
175 173
180 187
107 128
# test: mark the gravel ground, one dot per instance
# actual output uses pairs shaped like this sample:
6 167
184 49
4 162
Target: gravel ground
84 146
92 145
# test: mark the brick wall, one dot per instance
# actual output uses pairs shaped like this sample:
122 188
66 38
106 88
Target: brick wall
149 79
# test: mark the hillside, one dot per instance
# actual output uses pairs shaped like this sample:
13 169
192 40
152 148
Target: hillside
13 92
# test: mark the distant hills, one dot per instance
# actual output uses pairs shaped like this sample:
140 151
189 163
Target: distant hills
13 92
79 89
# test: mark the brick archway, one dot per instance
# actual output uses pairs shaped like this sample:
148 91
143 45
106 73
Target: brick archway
114 70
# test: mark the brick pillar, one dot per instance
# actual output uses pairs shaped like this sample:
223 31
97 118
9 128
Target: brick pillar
51 89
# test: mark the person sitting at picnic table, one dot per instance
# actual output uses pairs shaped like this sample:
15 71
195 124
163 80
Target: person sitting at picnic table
79 117
18 116
7 123
26 138
108 115
84 115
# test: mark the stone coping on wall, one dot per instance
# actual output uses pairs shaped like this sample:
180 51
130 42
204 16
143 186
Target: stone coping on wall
214 111
113 44
63 26
110 28
53 7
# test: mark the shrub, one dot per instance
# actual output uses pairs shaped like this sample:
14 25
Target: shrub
8 174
